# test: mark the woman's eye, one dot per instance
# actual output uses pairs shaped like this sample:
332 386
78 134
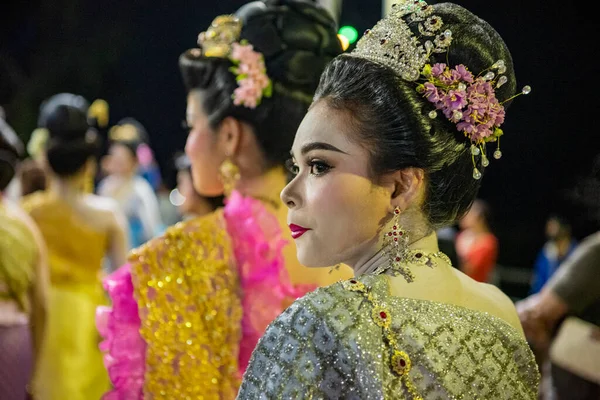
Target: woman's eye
318 167
186 126
292 166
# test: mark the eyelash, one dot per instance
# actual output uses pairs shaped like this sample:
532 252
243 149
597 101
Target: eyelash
311 164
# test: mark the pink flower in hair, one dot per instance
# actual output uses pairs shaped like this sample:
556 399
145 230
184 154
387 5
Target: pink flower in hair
251 75
455 100
438 69
431 92
468 102
464 73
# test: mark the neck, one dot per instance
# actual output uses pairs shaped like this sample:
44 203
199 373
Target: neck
125 176
479 229
266 187
563 244
68 189
427 244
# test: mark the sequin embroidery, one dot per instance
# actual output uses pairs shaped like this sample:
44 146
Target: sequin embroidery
186 287
326 345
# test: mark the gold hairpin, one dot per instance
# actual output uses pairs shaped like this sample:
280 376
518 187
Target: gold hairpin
217 40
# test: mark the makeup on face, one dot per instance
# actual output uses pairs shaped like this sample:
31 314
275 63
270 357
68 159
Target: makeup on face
334 207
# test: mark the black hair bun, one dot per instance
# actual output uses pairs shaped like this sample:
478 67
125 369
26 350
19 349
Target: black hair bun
477 45
296 38
65 116
72 140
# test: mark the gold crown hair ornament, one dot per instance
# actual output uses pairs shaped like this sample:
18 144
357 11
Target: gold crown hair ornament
466 100
222 33
222 40
124 133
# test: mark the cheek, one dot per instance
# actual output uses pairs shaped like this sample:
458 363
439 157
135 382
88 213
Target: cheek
201 150
346 212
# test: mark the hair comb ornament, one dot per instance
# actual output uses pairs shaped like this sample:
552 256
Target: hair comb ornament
467 100
124 133
222 40
99 110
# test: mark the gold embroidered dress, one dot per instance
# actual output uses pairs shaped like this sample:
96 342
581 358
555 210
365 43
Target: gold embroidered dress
353 340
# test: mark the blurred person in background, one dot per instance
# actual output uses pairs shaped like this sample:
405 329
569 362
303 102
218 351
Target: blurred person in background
80 229
562 320
32 177
559 245
23 282
167 200
191 204
476 244
13 189
229 273
134 194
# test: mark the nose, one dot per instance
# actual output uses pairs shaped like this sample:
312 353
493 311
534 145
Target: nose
289 196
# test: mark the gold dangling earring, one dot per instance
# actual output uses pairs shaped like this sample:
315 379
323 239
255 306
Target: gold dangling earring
395 242
229 174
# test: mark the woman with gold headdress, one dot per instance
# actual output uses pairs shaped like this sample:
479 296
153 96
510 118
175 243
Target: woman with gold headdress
135 195
80 230
23 281
393 148
207 289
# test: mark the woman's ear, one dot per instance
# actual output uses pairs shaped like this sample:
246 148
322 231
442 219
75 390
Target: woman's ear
229 136
409 185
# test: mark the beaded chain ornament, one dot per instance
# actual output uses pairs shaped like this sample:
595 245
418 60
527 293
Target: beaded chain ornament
221 40
396 243
400 362
466 100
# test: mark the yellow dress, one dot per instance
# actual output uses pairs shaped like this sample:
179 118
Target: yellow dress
71 364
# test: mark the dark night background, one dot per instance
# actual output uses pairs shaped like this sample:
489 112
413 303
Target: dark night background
126 53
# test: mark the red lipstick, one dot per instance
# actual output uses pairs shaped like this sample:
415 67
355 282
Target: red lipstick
297 230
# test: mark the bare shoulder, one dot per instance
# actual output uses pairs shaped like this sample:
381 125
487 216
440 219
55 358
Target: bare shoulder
102 204
491 299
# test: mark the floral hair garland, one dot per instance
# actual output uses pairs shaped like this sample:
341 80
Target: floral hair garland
466 100
469 102
222 40
251 75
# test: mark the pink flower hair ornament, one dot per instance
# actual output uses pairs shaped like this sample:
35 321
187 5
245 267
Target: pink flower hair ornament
251 75
469 102
222 40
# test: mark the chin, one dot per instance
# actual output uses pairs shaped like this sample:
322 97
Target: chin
209 190
310 259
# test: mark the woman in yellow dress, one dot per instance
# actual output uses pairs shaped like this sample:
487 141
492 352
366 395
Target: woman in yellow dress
208 288
23 281
80 230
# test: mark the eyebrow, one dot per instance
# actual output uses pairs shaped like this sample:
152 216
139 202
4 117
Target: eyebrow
319 146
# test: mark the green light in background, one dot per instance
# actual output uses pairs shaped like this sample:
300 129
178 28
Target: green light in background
349 32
